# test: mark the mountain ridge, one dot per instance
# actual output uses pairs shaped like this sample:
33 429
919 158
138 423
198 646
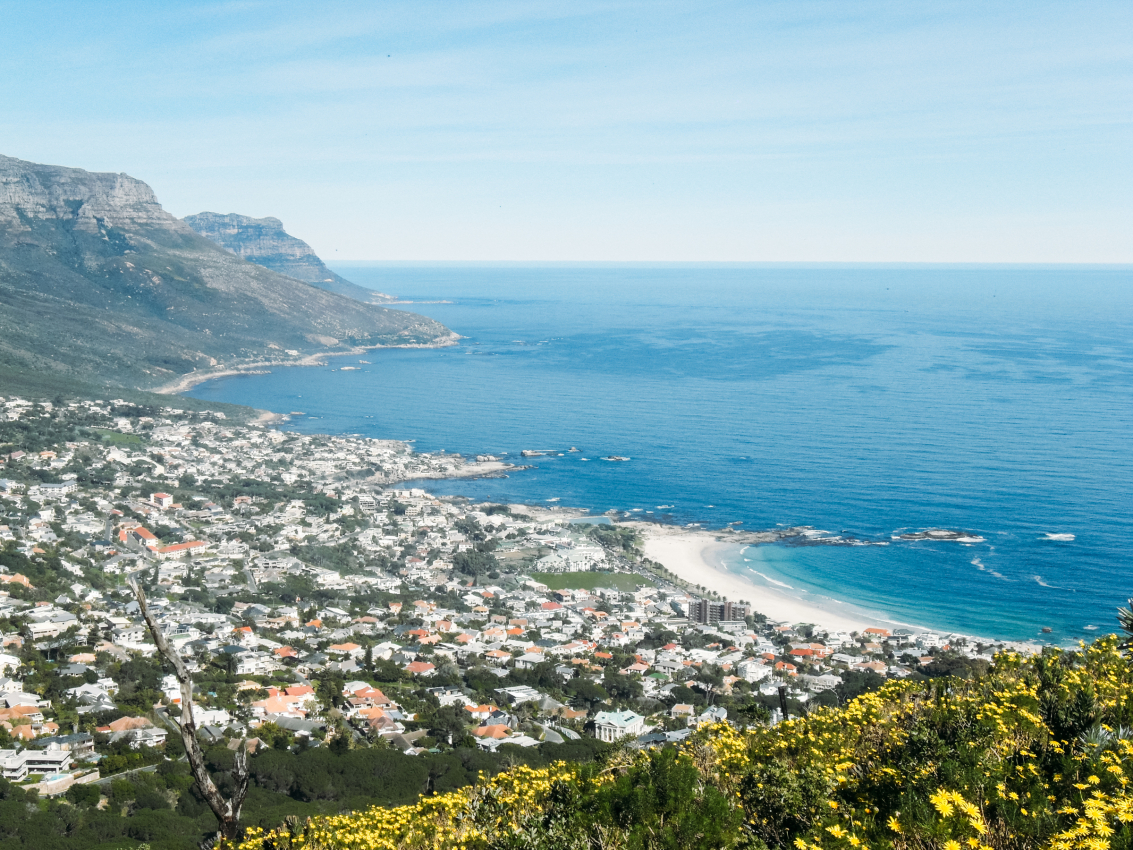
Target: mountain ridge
99 283
263 241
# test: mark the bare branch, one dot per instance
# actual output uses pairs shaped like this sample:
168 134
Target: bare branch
227 811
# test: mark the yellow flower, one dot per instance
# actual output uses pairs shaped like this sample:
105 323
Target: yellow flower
942 802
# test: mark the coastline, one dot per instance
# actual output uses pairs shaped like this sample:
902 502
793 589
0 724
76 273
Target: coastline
261 367
695 556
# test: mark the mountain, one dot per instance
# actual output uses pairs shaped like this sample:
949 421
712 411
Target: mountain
263 241
99 283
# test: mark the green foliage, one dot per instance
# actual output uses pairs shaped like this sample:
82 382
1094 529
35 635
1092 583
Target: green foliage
789 800
663 802
858 682
84 795
1035 754
474 563
951 663
616 537
624 582
586 693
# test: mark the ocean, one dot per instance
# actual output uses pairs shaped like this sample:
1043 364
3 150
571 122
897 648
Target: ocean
862 401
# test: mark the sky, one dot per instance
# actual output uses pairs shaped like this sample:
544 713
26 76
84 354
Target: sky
602 131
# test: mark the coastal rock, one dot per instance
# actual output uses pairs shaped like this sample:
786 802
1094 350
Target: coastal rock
263 241
942 534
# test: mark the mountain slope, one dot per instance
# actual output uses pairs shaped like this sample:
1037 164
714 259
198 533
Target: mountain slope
98 282
263 241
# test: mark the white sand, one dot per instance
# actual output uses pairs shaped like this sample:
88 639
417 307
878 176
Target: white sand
695 557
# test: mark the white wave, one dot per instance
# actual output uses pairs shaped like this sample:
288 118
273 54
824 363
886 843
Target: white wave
1090 628
979 565
1057 536
770 580
1039 581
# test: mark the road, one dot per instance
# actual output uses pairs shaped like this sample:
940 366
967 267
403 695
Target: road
106 780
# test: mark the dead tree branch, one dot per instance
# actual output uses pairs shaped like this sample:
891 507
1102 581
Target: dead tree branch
227 811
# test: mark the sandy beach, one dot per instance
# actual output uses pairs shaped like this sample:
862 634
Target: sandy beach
695 557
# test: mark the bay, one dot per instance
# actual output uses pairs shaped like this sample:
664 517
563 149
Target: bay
865 401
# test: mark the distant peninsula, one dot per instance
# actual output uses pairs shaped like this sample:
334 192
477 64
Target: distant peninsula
263 241
101 287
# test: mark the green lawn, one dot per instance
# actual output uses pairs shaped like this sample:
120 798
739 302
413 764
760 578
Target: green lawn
116 436
625 582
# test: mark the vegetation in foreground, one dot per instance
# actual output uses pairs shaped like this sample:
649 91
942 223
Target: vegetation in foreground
1037 753
163 810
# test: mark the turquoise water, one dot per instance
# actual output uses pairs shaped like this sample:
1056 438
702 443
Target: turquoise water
861 401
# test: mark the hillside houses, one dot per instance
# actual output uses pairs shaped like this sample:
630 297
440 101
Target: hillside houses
313 594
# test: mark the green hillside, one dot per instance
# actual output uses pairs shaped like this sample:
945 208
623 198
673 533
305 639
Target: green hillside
98 284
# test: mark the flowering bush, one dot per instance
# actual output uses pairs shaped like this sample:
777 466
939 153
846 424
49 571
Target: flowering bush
1037 754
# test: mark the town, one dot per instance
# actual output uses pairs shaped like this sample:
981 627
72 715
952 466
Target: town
320 605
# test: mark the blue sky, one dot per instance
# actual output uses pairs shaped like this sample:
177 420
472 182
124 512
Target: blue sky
699 131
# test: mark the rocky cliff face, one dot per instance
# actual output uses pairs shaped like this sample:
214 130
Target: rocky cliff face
81 200
264 241
97 281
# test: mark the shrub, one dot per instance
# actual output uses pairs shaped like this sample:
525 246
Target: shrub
1036 753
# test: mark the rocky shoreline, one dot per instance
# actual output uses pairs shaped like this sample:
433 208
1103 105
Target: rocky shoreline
262 367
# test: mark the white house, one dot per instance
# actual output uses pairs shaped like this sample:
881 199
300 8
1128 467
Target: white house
752 670
612 725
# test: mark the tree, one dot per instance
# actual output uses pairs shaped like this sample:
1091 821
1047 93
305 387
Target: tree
586 693
474 563
227 811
